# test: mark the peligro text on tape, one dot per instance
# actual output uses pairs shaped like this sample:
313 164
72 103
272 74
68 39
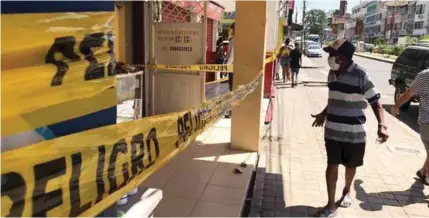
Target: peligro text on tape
52 76
82 174
226 68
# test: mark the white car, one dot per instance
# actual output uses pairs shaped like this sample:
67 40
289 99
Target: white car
314 51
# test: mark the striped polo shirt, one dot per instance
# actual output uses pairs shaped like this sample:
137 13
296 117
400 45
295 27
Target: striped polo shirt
349 95
420 86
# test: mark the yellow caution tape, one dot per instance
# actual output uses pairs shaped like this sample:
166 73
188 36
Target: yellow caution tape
66 71
82 174
55 67
273 56
224 68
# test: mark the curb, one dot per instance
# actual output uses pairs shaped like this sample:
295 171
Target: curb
375 58
258 188
403 126
309 67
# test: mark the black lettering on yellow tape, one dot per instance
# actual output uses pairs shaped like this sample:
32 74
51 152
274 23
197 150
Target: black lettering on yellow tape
65 46
15 188
94 176
183 67
213 67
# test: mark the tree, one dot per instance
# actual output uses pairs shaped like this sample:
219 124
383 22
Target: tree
410 40
314 22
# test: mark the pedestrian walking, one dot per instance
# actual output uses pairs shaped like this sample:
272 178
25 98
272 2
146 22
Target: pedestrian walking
350 88
295 64
419 86
230 55
220 52
230 60
284 60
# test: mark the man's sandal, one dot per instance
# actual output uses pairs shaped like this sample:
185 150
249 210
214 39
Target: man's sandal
327 213
346 201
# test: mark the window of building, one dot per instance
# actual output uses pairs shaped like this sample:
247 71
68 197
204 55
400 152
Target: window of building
379 16
418 25
420 9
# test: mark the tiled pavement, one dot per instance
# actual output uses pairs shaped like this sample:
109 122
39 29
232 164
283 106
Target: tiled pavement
296 160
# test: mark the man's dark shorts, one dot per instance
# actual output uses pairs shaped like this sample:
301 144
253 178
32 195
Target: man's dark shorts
294 70
348 154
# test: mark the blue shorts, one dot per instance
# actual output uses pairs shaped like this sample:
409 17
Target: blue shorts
284 61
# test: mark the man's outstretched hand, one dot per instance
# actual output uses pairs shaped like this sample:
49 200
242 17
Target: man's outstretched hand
319 119
382 134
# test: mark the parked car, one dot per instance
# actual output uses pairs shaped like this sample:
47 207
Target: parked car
410 62
306 44
313 51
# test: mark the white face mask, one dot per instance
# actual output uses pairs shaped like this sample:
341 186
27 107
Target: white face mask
332 64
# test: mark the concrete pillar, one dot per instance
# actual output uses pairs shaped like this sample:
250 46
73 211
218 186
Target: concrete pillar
123 33
249 55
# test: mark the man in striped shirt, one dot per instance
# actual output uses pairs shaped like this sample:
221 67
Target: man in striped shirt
350 90
419 86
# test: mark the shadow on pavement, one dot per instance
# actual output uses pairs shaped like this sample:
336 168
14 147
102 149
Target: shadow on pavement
413 195
408 117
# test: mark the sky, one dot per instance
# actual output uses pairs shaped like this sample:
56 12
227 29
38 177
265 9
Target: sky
325 5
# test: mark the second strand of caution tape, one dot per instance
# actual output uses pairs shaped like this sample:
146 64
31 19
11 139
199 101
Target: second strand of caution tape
224 68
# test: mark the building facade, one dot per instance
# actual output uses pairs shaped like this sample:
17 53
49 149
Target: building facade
374 18
389 21
358 15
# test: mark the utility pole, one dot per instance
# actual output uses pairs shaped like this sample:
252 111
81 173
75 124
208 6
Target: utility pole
296 14
303 25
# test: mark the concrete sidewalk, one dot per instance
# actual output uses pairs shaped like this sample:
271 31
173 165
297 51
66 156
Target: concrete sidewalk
294 181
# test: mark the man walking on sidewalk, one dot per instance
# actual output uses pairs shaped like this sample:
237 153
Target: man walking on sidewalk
230 55
419 86
295 64
350 88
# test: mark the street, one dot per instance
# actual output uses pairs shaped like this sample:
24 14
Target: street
380 74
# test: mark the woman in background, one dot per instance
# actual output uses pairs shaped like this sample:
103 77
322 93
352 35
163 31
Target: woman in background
284 60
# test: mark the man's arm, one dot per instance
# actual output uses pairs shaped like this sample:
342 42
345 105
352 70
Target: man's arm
408 94
415 88
373 96
325 111
377 108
